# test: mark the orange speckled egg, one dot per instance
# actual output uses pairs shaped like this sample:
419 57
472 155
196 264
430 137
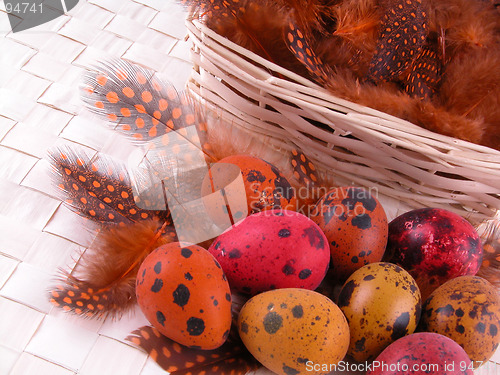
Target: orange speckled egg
294 331
265 187
467 310
356 226
382 303
183 292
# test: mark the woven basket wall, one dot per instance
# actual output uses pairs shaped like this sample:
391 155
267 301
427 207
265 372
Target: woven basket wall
356 144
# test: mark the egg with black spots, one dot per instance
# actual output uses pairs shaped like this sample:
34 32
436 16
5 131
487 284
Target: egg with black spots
183 292
355 225
422 353
382 303
272 249
434 245
250 185
467 310
294 331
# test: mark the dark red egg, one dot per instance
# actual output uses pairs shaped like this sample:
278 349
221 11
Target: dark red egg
355 225
434 245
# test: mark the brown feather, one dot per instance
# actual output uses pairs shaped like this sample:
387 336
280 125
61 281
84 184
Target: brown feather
259 30
390 99
353 41
471 89
103 282
465 24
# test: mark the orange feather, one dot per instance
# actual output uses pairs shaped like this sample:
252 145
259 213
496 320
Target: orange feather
103 282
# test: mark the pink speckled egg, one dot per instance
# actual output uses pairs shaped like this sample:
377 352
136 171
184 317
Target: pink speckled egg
273 249
422 353
434 245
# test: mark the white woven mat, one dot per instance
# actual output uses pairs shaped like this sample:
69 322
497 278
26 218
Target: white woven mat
40 71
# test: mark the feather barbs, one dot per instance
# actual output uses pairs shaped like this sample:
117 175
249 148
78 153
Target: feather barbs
103 282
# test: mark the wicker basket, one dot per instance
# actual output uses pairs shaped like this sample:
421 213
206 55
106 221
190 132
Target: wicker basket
358 145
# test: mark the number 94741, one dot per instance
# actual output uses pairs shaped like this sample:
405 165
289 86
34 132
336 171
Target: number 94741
23 8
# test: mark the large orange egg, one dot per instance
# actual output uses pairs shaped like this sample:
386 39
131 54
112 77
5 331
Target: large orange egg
355 225
184 293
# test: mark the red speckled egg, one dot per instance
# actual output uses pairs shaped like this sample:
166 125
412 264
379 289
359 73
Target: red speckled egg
183 292
434 245
265 187
355 225
273 249
422 353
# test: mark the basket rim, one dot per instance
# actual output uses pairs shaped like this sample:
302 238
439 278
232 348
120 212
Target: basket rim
404 161
305 88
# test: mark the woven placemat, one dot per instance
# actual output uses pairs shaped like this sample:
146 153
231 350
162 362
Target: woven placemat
40 72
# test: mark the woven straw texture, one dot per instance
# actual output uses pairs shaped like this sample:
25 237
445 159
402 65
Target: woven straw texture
40 72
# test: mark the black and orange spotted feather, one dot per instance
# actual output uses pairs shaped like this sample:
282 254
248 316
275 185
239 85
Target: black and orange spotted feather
298 44
144 107
303 168
403 34
100 189
231 358
425 73
106 285
103 282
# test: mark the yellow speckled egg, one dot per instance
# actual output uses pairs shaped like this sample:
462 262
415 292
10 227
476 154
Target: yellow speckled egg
382 303
467 310
294 331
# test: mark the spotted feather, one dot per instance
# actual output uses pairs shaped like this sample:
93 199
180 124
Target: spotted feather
217 8
299 45
303 169
146 108
230 358
424 75
100 189
402 36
